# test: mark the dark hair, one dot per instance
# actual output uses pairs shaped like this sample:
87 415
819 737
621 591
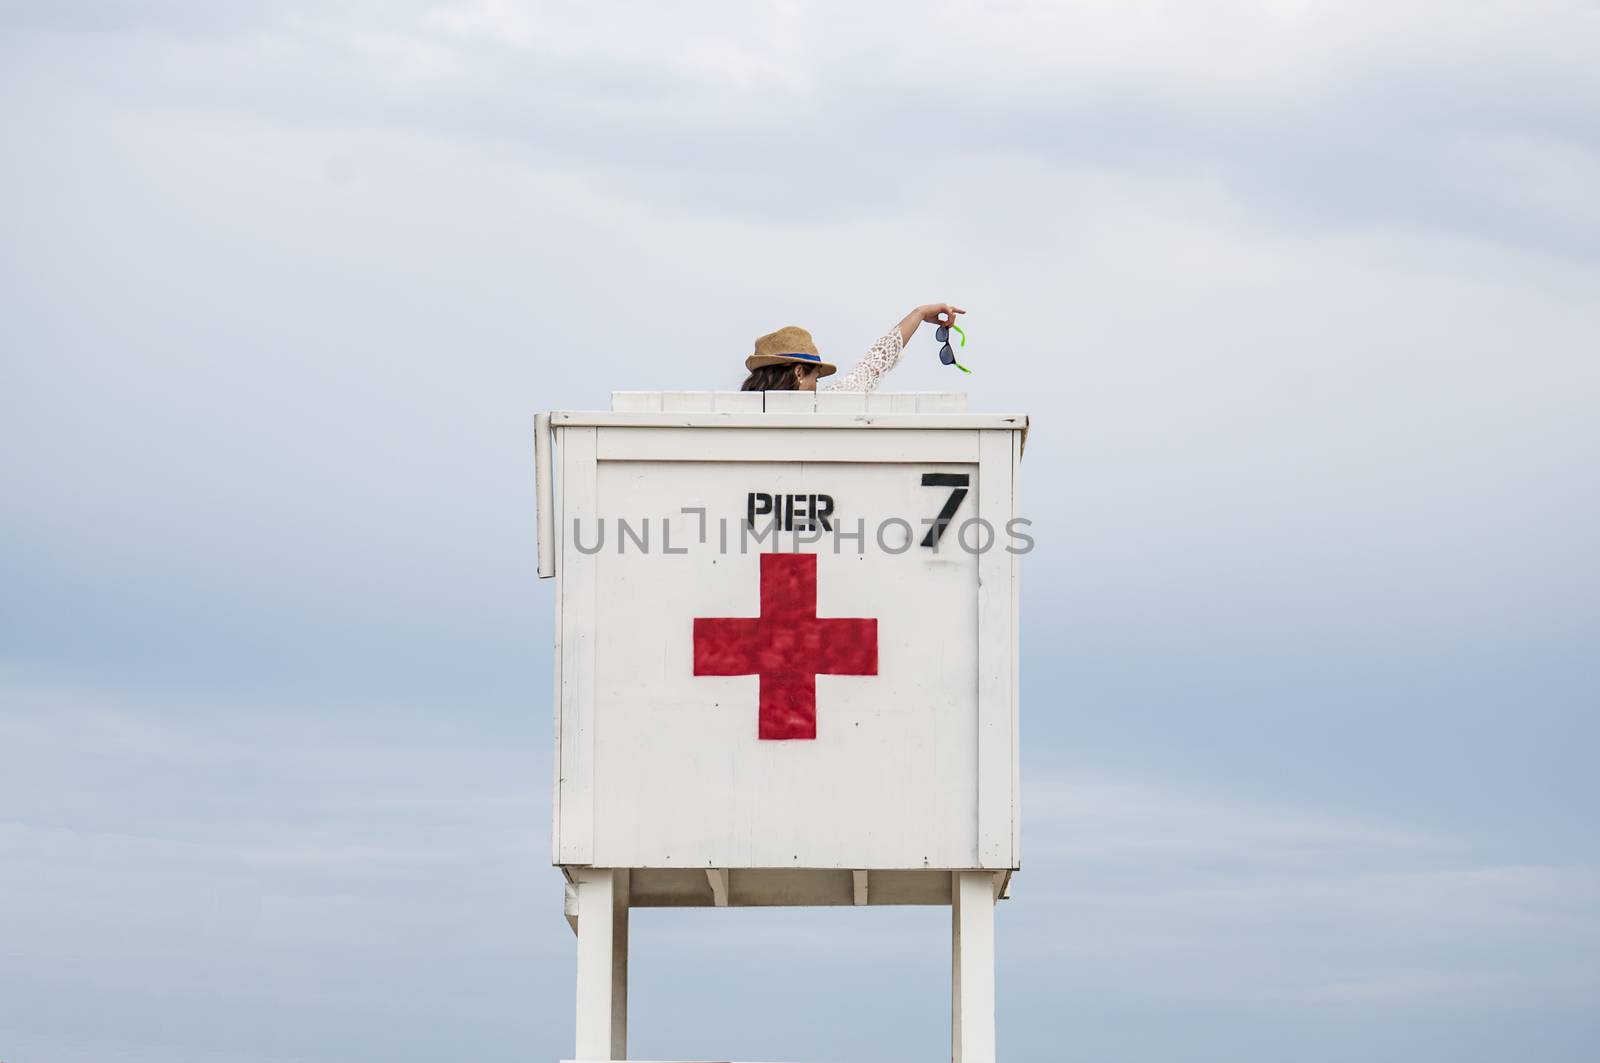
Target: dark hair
779 377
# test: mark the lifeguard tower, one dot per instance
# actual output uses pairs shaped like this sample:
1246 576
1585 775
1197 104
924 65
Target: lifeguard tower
785 667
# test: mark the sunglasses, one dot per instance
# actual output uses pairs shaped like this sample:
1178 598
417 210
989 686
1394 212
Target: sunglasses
946 354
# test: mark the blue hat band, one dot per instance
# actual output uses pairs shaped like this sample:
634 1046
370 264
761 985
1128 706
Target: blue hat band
802 357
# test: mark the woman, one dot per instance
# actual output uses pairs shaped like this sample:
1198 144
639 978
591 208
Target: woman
787 360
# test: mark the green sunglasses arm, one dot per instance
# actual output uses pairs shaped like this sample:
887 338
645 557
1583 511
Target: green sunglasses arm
963 334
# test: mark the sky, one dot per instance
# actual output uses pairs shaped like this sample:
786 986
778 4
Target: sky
1301 298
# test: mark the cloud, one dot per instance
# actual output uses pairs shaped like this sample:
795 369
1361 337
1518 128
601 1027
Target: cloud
1269 902
1331 115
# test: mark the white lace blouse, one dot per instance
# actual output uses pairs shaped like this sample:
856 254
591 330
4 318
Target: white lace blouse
881 357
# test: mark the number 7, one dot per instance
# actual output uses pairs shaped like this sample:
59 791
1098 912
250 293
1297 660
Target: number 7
956 480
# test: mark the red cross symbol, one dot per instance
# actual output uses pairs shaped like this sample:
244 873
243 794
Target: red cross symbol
788 646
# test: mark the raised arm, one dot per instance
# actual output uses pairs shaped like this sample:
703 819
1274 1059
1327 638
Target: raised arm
885 353
933 313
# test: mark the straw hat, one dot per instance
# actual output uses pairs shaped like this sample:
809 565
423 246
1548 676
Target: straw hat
791 344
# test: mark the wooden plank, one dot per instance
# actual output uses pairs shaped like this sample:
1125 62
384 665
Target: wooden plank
545 507
791 401
635 401
794 417
738 402
841 402
891 402
996 708
620 903
750 444
602 992
718 877
1018 440
557 693
874 401
941 402
860 883
688 401
576 844
685 887
972 1027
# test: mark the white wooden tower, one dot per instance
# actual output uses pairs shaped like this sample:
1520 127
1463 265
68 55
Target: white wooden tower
785 667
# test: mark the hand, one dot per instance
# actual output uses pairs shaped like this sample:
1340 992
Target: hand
933 313
939 313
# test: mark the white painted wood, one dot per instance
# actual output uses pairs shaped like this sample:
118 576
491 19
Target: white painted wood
558 698
545 474
738 402
891 402
1018 439
791 401
889 782
635 401
913 768
841 402
875 401
972 1026
602 997
575 809
688 401
860 884
569 905
941 402
619 963
718 877
688 887
955 967
996 660
801 416
752 444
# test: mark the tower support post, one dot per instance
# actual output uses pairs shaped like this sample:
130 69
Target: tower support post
972 902
602 963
